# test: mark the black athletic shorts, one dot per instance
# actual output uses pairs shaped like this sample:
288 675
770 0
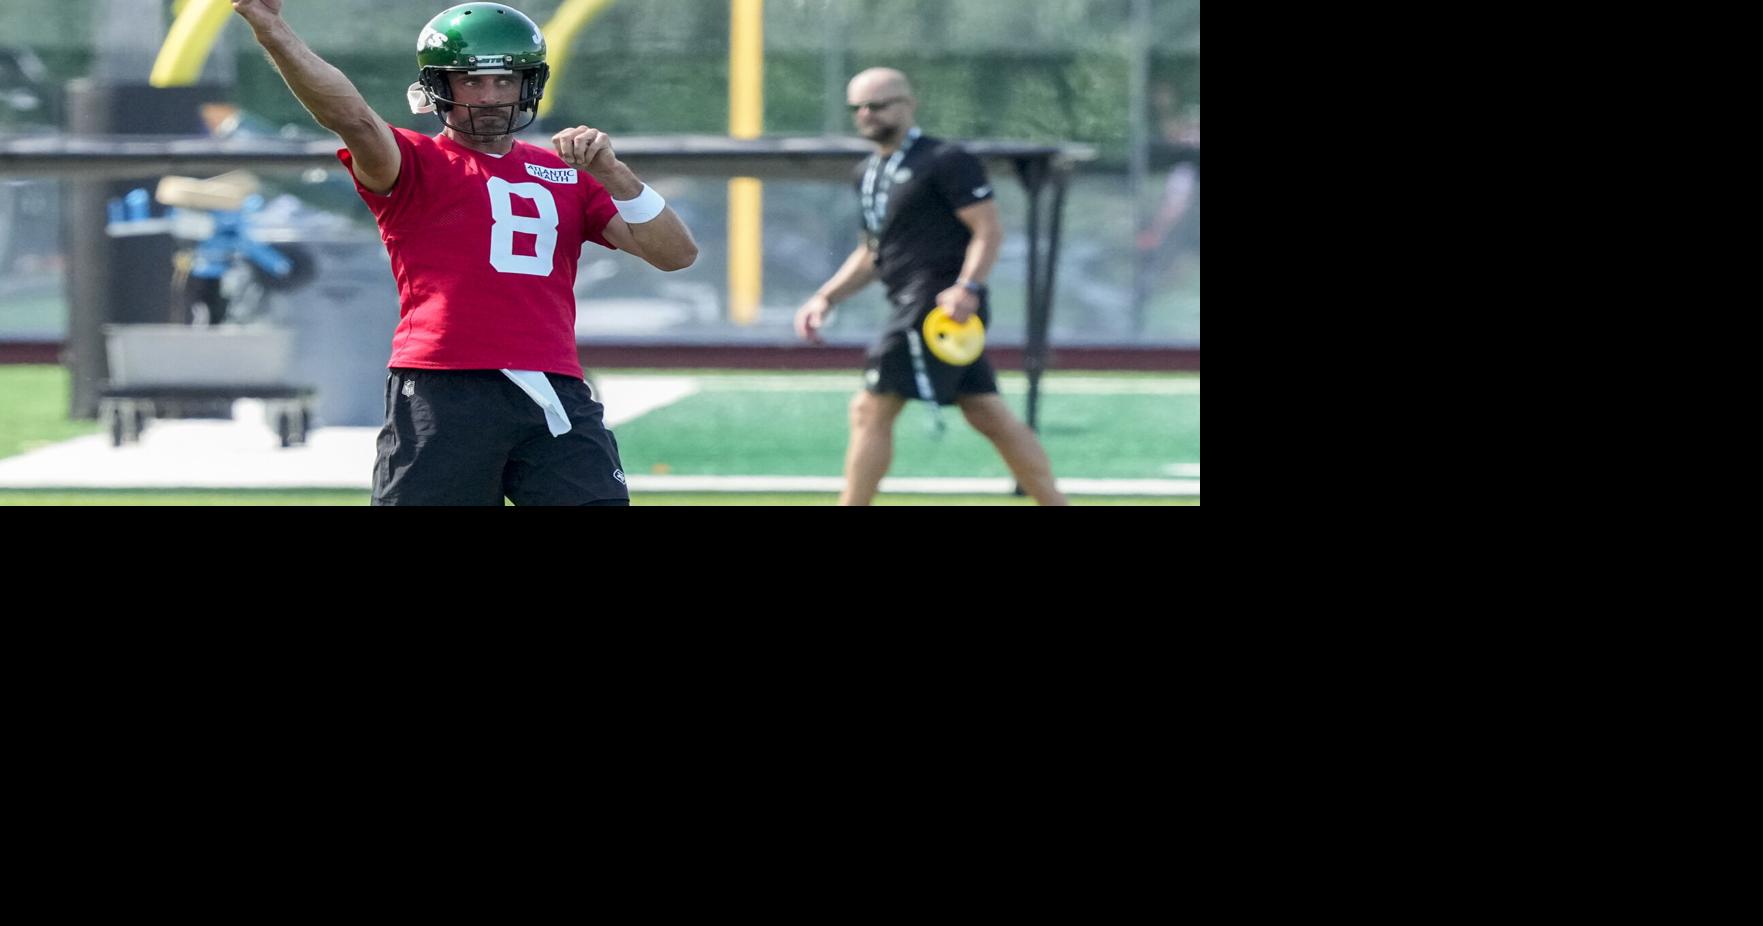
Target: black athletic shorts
889 367
472 437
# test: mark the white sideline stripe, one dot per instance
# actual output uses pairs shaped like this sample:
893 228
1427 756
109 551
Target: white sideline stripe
628 398
199 454
1009 385
245 454
910 485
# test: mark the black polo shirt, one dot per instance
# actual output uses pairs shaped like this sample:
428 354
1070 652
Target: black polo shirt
920 245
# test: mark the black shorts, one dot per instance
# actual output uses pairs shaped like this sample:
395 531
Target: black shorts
472 437
889 367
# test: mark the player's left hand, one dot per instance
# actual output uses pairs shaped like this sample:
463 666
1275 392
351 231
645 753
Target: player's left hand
587 149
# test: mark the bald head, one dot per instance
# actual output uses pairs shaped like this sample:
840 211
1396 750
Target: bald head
877 84
882 105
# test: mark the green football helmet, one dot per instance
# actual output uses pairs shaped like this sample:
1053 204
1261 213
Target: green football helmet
482 38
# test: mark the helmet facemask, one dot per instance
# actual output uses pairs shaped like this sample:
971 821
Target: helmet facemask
434 85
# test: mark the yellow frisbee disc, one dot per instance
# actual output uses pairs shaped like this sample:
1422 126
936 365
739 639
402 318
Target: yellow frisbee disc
956 344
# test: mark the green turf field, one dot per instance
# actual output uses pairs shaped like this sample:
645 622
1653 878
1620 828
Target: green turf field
220 497
1095 426
33 409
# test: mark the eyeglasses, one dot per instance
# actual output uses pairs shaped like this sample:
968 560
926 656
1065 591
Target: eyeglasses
875 106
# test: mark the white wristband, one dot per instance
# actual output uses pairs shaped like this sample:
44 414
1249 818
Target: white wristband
646 206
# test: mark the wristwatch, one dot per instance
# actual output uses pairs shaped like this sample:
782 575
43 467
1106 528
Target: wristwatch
978 289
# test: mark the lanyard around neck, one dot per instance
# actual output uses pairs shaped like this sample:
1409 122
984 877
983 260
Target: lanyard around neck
877 180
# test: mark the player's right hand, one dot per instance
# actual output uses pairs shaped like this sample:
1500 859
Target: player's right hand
255 11
811 316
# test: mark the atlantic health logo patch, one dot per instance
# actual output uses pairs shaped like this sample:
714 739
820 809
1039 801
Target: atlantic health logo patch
553 174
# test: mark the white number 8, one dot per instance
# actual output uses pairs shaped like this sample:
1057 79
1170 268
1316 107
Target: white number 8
543 226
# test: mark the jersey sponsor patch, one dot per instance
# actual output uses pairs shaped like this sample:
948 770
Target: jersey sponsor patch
553 174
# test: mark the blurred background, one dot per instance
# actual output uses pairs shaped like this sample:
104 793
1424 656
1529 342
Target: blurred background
1122 76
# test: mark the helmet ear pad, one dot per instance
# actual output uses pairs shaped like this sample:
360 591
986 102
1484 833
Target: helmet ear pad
532 87
434 81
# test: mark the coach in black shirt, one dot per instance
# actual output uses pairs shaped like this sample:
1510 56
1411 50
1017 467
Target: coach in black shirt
931 234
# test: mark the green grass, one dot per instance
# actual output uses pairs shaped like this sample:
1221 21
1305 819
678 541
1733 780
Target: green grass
728 429
754 498
224 497
33 409
733 428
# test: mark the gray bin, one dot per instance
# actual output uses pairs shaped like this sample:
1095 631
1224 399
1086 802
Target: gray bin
181 356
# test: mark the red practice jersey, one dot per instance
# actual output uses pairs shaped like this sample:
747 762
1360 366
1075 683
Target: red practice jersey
484 250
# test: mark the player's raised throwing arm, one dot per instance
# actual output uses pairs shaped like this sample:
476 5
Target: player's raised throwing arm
327 94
